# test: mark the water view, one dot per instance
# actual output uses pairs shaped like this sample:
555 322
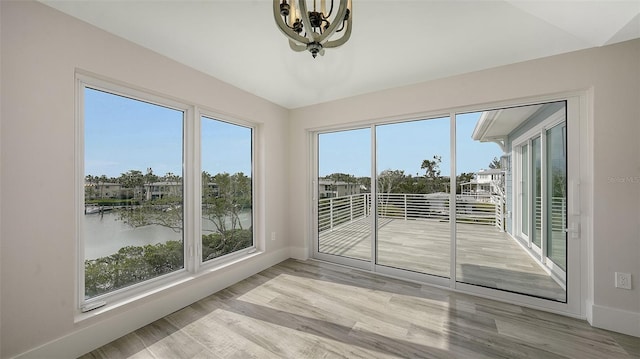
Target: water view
105 234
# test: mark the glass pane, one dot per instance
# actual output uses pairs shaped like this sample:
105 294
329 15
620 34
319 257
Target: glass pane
557 194
226 188
486 254
525 191
413 163
537 191
488 244
344 193
133 191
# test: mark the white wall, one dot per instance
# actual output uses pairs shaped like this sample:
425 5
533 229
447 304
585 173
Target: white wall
613 73
41 49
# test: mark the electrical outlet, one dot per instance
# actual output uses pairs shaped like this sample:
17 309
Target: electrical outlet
623 280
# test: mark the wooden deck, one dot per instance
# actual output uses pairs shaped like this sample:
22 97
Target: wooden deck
485 256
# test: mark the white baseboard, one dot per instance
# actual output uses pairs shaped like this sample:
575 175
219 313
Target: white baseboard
299 253
616 320
96 335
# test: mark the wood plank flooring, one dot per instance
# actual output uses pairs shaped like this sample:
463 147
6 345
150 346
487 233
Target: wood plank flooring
310 309
485 256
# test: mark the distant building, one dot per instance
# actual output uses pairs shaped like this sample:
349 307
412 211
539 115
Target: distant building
485 182
102 190
157 190
329 188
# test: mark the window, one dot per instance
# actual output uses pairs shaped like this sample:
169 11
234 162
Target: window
133 234
138 228
226 188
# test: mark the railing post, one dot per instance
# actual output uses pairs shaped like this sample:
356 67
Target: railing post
501 213
364 205
331 213
497 212
405 206
351 206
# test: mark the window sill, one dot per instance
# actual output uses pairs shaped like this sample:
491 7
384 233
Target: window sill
175 280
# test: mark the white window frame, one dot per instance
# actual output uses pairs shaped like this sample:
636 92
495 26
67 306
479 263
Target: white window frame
192 233
538 131
518 184
212 115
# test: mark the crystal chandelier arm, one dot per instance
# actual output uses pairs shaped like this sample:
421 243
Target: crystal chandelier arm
284 28
339 19
345 36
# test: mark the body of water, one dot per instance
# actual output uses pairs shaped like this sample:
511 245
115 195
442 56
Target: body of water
105 234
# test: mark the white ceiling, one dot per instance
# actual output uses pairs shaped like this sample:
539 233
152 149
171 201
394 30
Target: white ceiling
394 43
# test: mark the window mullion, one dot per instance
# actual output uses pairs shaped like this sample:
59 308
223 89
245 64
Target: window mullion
452 201
192 190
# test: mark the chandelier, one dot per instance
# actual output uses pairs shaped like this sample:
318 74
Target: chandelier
313 30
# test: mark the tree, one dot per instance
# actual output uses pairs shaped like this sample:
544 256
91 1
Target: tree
102 179
434 182
225 197
171 177
432 167
149 178
90 187
464 177
130 265
341 177
388 180
495 163
165 211
218 244
132 180
233 196
414 185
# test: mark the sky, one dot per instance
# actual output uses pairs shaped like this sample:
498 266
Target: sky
122 134
403 146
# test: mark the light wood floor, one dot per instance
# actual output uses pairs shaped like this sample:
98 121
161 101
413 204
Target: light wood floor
485 256
317 310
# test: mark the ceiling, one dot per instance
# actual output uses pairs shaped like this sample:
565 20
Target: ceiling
393 43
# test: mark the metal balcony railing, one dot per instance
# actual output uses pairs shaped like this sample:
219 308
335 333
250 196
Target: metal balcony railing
475 209
557 214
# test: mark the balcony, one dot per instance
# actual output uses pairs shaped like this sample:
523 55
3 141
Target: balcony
414 233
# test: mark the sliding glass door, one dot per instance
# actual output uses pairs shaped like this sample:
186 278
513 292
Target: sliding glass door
556 209
536 199
412 167
342 190
472 200
544 205
513 209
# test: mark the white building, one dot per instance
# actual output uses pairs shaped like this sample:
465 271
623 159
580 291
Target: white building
329 188
485 182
